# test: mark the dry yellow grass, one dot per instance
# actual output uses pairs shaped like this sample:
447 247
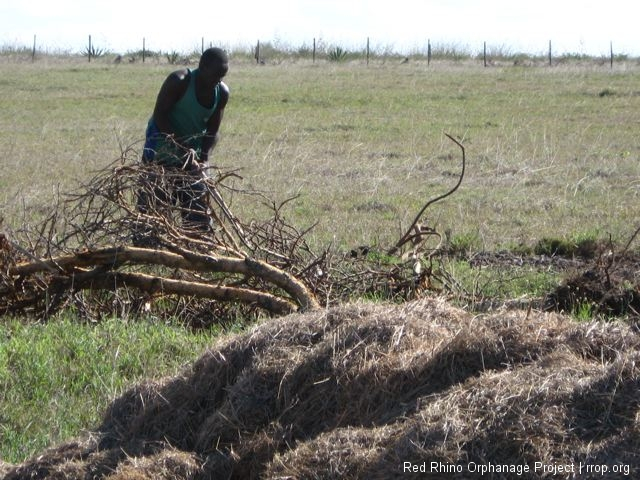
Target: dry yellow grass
369 391
552 151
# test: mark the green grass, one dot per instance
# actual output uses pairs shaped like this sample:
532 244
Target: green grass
544 151
57 378
501 283
584 312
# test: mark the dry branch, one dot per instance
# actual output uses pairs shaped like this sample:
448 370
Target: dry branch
86 244
98 280
415 232
115 257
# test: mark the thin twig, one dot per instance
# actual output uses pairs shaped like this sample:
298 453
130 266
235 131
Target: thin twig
407 235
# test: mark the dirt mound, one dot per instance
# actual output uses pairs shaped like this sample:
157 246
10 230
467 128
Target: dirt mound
609 286
370 391
603 283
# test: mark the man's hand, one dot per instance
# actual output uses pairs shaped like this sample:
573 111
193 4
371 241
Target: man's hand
191 162
197 167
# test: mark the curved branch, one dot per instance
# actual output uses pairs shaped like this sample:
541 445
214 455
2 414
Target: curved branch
168 286
405 238
635 234
114 257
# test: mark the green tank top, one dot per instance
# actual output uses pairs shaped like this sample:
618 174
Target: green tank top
189 121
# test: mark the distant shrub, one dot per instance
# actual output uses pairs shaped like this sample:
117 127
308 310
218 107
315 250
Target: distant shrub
554 246
146 53
463 243
337 54
585 247
92 51
173 57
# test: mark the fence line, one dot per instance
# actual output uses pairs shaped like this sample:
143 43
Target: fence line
92 51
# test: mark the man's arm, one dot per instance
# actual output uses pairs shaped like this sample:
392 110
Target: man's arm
213 125
171 91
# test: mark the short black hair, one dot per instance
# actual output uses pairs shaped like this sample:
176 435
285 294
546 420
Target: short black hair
214 56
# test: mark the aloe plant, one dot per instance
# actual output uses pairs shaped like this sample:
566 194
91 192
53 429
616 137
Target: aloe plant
338 54
91 51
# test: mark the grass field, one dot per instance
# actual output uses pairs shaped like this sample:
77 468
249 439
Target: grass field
552 152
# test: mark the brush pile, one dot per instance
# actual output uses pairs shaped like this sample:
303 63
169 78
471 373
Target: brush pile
123 243
373 391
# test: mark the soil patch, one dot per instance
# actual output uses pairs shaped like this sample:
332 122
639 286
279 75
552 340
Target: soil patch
609 286
606 284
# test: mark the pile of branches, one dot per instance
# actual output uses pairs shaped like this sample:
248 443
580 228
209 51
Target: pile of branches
98 252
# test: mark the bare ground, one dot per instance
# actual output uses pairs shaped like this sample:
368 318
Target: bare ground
607 282
358 390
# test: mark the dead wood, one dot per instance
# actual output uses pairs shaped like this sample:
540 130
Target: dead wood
101 237
116 257
416 232
98 279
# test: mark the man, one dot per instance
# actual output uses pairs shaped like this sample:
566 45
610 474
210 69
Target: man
183 131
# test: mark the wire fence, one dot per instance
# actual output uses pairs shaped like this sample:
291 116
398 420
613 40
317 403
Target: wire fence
319 50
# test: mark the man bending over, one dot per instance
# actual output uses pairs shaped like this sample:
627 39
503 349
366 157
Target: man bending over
183 131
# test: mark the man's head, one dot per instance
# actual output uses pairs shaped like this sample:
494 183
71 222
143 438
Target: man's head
214 64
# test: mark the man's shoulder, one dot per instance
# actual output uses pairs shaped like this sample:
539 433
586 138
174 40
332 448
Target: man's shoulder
224 88
177 82
180 75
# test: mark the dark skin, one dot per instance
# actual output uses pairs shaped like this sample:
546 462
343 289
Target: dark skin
175 86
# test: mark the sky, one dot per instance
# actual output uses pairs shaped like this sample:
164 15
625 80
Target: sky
508 26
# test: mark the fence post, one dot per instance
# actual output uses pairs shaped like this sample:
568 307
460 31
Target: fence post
549 52
144 48
202 46
611 49
89 49
367 51
258 52
33 52
484 53
314 50
428 52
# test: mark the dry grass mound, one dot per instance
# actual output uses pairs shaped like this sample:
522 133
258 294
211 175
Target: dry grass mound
359 390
